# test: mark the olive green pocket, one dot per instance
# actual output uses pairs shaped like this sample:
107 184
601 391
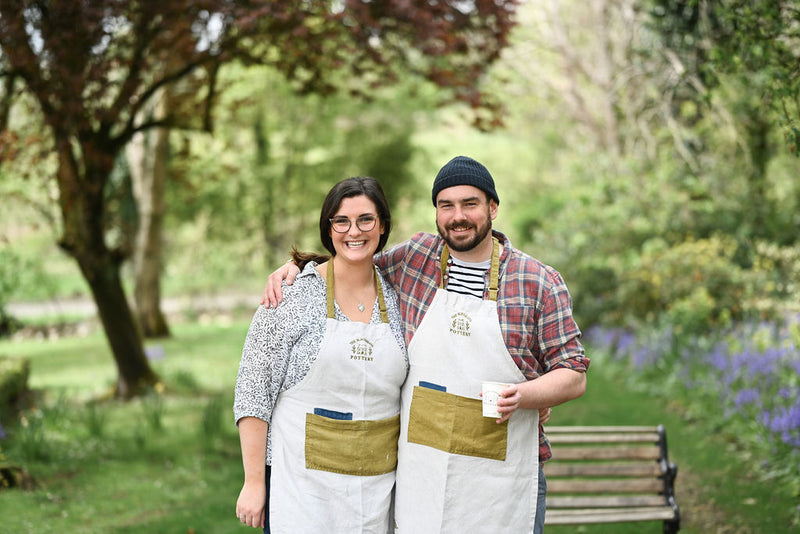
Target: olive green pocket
363 448
455 424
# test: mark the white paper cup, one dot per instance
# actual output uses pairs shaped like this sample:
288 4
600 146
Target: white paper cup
491 392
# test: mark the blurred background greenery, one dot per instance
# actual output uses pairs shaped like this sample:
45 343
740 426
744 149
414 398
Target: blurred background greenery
647 149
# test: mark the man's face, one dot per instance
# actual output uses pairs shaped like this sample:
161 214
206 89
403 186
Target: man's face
464 216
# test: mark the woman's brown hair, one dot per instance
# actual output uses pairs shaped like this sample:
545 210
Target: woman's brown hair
347 188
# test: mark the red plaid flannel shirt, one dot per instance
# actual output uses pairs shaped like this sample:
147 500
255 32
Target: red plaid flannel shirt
533 305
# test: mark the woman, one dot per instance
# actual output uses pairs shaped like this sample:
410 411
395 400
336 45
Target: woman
318 391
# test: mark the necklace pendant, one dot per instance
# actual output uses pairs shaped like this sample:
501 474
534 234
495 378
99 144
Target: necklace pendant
360 307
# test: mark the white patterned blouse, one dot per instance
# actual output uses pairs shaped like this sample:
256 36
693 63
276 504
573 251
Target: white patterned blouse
282 344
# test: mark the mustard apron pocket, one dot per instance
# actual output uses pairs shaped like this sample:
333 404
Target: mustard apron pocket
362 448
455 424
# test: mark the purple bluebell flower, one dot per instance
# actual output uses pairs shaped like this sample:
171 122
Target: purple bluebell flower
718 358
747 396
785 422
625 341
642 357
155 352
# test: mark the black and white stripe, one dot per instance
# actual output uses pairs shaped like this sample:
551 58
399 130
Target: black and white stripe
467 278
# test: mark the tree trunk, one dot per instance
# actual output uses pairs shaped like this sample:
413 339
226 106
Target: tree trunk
133 370
758 130
82 206
147 157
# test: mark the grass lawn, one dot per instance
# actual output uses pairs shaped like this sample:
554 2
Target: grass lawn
167 463
170 463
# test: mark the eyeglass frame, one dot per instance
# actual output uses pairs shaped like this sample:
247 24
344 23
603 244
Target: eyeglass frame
342 218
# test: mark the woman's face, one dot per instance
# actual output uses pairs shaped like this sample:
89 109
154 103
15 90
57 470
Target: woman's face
360 241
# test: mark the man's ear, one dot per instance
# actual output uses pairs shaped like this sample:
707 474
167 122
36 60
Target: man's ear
493 207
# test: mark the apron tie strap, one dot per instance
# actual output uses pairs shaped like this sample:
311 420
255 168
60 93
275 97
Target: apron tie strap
443 265
494 272
381 301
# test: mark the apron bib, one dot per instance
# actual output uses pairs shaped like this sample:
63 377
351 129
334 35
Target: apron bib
457 470
335 433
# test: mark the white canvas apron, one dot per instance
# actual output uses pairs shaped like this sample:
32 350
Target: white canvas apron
457 470
334 435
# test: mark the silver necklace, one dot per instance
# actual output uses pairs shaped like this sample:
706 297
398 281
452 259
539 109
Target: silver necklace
360 307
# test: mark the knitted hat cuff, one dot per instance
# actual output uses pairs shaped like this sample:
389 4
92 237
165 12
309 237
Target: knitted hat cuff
462 170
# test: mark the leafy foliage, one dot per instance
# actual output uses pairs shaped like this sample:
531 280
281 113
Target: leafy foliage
286 151
755 40
677 183
93 67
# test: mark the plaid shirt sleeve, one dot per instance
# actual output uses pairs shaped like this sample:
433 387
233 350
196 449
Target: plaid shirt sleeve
535 310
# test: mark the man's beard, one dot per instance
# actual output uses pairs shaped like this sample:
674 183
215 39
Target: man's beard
481 232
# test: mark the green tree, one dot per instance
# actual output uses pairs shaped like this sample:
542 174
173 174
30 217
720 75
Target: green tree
741 58
653 146
285 151
93 66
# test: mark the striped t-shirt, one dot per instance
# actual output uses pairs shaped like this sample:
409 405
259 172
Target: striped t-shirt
467 278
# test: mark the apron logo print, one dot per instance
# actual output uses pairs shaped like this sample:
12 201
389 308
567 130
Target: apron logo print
460 324
361 349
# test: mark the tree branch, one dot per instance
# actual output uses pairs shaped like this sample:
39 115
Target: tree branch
6 103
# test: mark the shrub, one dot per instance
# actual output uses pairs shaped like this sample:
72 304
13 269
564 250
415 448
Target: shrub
14 373
695 283
11 266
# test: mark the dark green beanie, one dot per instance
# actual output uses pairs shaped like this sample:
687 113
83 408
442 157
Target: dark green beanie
462 170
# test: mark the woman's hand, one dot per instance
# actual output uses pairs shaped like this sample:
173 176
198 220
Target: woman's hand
251 504
544 415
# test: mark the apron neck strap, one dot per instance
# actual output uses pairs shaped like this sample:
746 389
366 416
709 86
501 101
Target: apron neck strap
494 269
329 294
329 289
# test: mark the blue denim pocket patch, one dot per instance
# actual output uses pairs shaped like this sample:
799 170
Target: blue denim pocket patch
331 414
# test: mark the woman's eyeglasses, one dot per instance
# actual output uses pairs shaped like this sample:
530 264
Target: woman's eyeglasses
365 223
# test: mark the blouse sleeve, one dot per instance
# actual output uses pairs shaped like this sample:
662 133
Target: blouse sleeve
264 363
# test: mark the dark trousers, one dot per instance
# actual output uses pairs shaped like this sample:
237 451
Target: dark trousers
267 472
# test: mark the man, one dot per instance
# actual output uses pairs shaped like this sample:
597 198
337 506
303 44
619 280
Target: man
476 309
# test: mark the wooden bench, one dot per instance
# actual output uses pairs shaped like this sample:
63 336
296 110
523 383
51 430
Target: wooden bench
610 474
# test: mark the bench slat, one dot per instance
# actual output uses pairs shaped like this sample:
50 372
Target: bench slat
610 474
578 517
556 502
605 486
606 453
615 469
573 429
647 437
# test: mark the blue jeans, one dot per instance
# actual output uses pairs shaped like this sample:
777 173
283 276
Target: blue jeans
538 525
